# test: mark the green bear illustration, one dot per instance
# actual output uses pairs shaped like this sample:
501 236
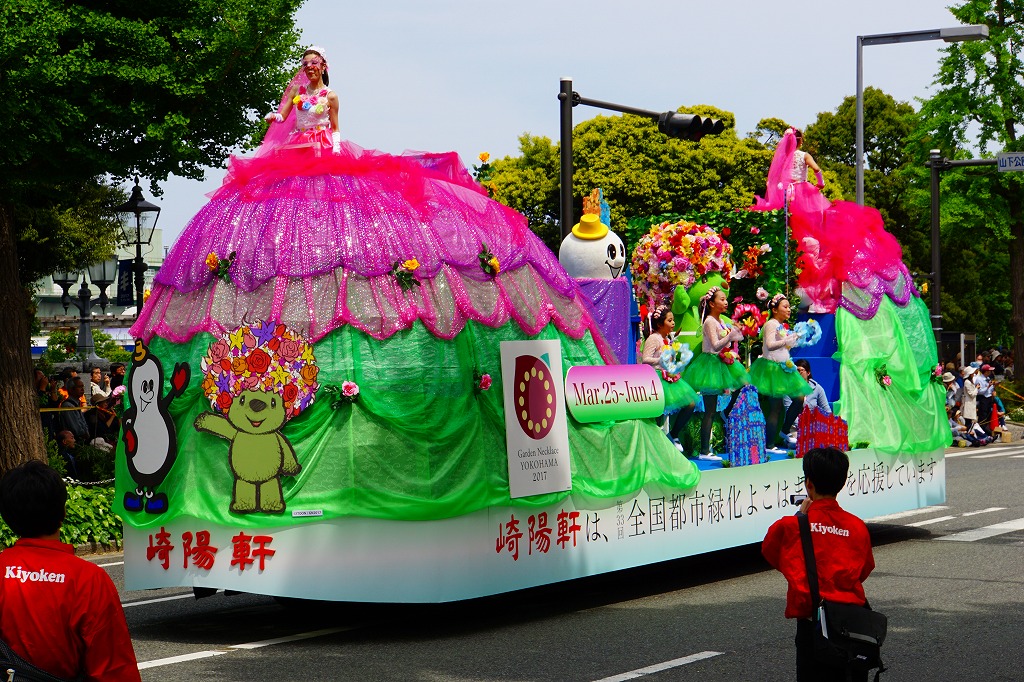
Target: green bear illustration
685 308
259 454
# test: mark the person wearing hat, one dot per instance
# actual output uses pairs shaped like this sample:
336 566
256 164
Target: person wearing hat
952 389
969 409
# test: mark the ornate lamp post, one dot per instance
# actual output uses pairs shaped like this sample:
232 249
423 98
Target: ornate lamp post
137 225
102 275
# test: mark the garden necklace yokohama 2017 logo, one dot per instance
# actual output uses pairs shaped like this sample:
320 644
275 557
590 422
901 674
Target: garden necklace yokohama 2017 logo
534 396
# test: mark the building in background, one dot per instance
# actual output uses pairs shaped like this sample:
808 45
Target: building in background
118 318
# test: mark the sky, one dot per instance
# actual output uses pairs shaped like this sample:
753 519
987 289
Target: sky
472 76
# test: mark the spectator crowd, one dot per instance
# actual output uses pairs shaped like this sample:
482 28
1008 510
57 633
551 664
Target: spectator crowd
976 414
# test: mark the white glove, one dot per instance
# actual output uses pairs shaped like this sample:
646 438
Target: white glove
274 116
336 140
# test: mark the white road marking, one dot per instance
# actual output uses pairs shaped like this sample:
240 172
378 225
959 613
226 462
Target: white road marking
155 601
184 658
116 563
1001 453
905 514
658 667
179 659
986 532
983 511
961 452
928 522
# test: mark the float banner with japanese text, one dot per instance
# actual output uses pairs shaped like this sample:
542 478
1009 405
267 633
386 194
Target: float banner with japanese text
537 437
505 548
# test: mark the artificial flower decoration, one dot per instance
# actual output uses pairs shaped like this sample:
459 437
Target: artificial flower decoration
809 332
675 356
221 267
484 157
936 376
481 381
145 295
882 376
488 261
749 319
728 355
262 355
674 254
788 366
762 294
404 273
348 392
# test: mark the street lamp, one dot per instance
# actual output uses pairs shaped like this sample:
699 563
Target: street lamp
102 275
140 233
955 34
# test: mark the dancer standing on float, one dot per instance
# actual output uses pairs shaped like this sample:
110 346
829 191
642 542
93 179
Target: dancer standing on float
316 106
775 376
679 396
717 370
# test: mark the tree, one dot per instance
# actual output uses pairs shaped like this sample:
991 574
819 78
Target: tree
93 90
981 92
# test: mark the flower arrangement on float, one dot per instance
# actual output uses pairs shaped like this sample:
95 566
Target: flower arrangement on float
677 253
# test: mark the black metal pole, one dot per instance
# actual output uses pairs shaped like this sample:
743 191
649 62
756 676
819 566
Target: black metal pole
937 162
140 268
565 97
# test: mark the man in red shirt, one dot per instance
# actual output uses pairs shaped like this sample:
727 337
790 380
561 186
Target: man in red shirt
842 551
57 611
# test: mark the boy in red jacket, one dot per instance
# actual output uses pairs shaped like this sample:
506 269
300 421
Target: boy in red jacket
842 550
57 611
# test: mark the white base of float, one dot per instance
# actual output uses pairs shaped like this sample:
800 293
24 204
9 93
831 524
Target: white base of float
483 553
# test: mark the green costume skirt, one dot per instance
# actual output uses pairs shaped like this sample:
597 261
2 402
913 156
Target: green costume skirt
773 381
678 394
709 375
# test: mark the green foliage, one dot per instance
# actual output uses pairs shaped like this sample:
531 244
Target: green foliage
90 518
94 464
53 456
109 349
981 93
60 346
529 184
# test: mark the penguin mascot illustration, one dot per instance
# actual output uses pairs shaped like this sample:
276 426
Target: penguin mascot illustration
150 444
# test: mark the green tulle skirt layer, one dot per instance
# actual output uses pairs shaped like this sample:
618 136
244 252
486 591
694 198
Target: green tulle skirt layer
678 394
708 375
770 379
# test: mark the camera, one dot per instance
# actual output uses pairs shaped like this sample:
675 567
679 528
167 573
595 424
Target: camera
796 500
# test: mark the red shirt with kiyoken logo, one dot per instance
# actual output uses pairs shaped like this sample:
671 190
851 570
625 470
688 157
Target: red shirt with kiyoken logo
62 613
842 552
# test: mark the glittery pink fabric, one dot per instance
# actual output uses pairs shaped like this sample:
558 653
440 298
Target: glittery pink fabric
316 236
847 257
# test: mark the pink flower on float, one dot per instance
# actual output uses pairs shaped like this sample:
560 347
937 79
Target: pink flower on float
349 389
738 299
250 382
762 294
218 351
755 230
323 93
289 349
887 380
485 382
249 341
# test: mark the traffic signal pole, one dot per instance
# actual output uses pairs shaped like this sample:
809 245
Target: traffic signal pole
673 124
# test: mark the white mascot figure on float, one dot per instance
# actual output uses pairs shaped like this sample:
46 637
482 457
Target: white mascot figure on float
592 251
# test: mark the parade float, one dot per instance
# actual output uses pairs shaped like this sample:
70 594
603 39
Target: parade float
358 378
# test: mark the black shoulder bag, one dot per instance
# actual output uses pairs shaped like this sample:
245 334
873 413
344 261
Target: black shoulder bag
846 635
13 668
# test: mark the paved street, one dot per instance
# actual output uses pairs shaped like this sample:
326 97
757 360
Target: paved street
949 578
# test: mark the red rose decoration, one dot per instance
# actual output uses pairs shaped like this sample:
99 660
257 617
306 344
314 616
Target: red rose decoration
726 232
225 364
290 391
274 344
259 361
224 400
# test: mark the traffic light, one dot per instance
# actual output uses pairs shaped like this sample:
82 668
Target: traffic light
688 126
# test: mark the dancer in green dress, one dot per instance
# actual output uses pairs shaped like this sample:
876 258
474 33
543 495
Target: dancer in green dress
775 376
679 396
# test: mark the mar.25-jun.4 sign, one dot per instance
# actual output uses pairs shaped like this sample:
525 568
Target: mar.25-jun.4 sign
612 392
